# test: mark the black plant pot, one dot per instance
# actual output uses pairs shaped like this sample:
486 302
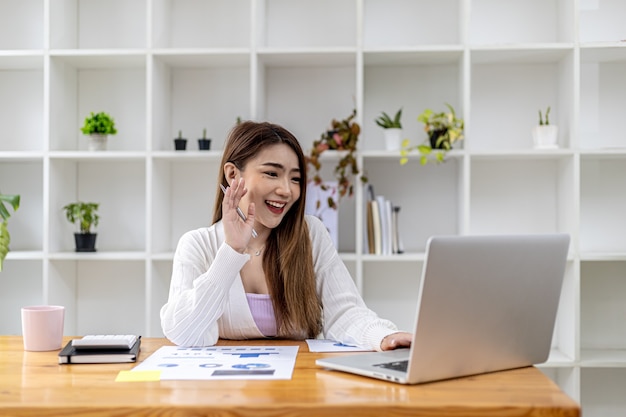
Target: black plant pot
180 144
85 242
204 144
434 136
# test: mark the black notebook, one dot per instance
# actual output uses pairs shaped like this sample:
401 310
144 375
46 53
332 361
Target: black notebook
70 354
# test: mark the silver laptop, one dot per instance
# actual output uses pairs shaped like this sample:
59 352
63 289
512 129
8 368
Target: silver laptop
486 303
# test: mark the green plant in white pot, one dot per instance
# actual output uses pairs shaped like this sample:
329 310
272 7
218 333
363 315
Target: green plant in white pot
85 216
98 126
544 134
393 129
5 237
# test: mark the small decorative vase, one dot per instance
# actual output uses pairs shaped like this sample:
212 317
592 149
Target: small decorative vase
85 242
97 142
393 139
545 137
180 144
204 144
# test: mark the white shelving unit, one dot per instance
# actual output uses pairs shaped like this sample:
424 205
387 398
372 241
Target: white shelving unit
163 66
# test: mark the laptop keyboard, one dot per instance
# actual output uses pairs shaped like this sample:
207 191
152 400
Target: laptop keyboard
401 366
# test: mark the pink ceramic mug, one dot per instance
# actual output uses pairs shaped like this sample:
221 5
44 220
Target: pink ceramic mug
42 327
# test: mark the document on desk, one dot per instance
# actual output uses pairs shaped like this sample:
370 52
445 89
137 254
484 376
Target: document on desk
327 345
221 362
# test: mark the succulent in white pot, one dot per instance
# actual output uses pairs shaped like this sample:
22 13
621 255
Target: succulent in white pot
392 128
545 135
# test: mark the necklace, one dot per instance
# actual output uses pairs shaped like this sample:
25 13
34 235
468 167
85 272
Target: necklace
258 251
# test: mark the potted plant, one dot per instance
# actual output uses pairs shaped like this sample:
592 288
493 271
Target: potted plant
443 130
392 129
98 126
180 143
5 237
544 134
85 216
343 135
204 144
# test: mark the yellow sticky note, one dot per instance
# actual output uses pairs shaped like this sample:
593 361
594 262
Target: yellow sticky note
130 376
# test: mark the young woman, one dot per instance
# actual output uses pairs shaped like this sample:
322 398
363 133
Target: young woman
288 281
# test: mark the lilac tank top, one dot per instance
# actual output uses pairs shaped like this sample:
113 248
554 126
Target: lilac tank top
263 313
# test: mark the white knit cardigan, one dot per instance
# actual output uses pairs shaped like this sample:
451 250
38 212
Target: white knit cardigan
207 299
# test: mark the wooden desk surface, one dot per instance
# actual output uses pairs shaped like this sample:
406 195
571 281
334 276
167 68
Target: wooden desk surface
32 383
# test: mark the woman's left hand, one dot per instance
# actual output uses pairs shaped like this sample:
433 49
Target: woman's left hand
396 340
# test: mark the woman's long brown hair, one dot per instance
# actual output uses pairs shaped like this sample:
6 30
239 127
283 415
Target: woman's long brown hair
287 259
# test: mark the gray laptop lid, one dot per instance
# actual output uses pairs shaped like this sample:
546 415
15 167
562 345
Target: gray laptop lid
486 303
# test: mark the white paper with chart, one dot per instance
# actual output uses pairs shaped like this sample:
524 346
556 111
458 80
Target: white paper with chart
222 362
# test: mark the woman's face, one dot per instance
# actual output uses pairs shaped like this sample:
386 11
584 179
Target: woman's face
273 182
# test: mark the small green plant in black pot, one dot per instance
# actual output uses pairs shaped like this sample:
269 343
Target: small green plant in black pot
180 143
85 216
204 144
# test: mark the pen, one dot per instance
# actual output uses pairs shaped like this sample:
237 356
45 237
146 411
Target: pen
239 212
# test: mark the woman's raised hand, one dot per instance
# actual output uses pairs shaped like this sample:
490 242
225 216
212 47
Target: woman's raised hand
236 231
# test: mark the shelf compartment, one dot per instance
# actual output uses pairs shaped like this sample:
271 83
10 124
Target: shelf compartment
602 392
79 86
551 21
161 275
563 348
327 91
284 23
21 60
80 24
194 92
307 58
605 358
22 103
603 310
97 256
505 195
602 98
413 86
345 217
601 21
90 290
414 22
380 291
201 24
119 187
21 285
183 198
508 90
602 208
429 197
567 378
21 24
26 224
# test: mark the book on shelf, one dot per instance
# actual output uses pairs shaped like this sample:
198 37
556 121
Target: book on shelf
73 354
383 230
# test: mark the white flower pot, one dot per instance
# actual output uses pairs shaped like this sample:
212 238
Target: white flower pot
545 137
393 139
97 142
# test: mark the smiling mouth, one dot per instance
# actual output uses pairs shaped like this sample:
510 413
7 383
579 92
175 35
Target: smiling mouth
275 207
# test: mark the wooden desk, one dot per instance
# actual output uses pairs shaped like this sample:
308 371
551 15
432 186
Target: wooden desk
32 383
